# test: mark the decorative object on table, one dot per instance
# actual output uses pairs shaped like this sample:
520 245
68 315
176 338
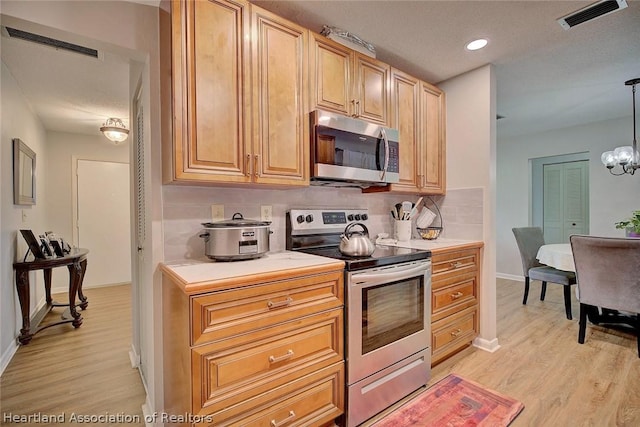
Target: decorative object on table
455 401
426 218
24 174
616 288
631 225
627 157
34 246
529 240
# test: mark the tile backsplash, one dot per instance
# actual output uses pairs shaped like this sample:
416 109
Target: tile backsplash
186 208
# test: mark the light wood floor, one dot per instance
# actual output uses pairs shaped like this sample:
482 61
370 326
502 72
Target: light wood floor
560 382
85 371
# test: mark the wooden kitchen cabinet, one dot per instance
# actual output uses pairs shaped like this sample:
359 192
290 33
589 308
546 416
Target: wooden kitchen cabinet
418 112
239 96
348 82
257 353
455 286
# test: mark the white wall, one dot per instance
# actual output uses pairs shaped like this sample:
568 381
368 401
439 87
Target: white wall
471 157
18 121
611 198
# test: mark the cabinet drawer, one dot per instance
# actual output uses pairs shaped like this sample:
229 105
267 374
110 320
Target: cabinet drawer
456 262
452 297
453 333
312 400
223 314
229 372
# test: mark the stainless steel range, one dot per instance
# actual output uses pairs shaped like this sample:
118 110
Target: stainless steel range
387 311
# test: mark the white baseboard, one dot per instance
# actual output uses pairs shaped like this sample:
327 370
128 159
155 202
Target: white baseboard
510 277
487 345
134 357
7 356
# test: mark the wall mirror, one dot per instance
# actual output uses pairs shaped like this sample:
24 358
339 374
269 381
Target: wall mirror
24 174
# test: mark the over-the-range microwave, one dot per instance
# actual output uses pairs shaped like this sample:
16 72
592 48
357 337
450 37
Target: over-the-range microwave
352 152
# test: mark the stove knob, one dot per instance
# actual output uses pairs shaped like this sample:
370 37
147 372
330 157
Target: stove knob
300 219
309 218
350 217
365 217
357 217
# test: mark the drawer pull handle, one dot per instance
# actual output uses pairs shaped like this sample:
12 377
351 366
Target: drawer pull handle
278 304
291 416
456 264
287 355
456 295
456 332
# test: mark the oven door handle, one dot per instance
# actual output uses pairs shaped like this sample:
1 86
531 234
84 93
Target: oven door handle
392 274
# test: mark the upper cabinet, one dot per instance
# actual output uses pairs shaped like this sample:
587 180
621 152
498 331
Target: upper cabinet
239 79
418 112
348 82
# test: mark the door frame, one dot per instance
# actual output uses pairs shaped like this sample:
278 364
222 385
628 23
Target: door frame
536 197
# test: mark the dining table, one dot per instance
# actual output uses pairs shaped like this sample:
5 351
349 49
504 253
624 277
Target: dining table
560 256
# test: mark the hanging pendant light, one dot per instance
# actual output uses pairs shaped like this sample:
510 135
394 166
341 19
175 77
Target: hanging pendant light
626 157
115 130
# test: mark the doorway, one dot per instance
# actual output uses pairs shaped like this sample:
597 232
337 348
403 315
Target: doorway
560 196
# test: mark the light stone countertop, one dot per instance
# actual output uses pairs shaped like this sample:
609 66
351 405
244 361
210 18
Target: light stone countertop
196 271
436 245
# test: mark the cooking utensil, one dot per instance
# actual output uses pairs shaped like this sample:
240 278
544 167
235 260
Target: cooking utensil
406 209
356 243
236 239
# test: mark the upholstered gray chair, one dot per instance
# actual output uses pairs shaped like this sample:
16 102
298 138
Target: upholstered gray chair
529 240
608 273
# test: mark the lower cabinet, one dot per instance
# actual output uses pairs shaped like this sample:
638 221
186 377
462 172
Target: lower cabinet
455 286
259 354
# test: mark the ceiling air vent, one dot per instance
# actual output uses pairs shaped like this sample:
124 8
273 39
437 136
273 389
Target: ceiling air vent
591 12
47 41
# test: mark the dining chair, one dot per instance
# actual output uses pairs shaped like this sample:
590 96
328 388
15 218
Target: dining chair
529 240
608 273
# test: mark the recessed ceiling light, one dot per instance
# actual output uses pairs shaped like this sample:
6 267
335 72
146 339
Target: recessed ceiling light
477 44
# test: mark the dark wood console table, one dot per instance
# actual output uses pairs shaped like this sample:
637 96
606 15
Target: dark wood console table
76 262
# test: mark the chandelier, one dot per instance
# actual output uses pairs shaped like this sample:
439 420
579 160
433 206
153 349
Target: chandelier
626 157
115 130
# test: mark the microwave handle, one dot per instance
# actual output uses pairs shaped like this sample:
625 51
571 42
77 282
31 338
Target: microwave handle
386 153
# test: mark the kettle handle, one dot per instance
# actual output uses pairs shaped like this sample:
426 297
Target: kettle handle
347 231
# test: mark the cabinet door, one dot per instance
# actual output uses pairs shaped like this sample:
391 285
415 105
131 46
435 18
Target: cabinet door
433 139
371 90
405 91
281 125
211 139
330 65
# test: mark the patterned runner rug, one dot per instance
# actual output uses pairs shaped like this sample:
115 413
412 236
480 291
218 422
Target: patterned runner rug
454 401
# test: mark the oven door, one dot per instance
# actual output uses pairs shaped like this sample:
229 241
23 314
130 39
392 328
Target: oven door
388 314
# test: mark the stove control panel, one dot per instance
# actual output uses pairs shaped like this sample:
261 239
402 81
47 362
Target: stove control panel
309 221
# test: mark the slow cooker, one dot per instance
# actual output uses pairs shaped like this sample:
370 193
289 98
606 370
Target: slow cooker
236 238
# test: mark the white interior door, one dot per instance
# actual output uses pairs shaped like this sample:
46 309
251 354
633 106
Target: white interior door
566 200
103 221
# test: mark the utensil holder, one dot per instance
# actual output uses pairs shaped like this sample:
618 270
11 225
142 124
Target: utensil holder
402 230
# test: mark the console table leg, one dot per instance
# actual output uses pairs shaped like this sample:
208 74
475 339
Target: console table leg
47 285
84 303
22 286
75 275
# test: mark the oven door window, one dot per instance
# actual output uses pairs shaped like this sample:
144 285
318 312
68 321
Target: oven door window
391 311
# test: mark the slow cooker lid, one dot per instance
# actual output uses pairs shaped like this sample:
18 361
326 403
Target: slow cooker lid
237 220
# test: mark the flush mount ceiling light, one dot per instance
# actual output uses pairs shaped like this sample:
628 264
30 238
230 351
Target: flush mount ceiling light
626 157
115 130
476 44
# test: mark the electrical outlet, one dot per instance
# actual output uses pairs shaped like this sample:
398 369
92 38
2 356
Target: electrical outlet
217 212
266 213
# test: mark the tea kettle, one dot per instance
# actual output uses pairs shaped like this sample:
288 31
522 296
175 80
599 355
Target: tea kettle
356 243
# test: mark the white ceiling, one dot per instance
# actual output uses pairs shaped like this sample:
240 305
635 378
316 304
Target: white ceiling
546 77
